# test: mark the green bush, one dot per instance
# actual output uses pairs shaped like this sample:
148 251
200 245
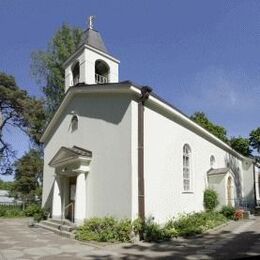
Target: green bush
11 211
210 199
105 229
154 232
228 212
2 211
14 212
32 209
111 229
196 223
36 212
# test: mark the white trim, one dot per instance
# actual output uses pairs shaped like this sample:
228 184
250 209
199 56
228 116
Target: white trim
85 46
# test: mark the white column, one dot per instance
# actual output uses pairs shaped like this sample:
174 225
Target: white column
56 202
80 200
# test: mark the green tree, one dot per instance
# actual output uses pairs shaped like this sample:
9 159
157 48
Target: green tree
47 65
28 176
254 138
5 185
18 110
219 131
241 145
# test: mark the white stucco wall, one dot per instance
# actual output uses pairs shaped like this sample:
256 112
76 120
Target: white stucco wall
218 183
248 181
104 128
164 141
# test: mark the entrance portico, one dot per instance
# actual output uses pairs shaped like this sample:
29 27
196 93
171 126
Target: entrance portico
69 195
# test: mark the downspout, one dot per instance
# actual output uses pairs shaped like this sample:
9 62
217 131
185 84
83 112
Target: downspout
254 185
145 92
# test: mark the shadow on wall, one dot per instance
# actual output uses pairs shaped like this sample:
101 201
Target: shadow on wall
231 162
48 203
110 108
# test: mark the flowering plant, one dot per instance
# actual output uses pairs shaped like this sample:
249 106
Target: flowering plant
238 214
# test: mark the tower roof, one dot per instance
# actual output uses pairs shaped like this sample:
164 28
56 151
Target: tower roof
93 38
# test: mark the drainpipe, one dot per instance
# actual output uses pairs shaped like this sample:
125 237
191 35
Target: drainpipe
254 164
145 92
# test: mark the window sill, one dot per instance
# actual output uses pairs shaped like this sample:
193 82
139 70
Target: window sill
187 192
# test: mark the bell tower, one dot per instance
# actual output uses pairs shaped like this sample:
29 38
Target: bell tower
91 63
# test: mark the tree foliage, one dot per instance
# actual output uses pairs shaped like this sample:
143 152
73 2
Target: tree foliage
254 138
5 185
47 65
18 110
28 176
210 199
241 145
219 131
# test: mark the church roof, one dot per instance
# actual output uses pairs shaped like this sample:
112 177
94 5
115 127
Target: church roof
218 171
131 87
93 38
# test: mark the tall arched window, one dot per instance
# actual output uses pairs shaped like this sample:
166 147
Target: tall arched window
212 161
186 168
101 72
74 123
75 74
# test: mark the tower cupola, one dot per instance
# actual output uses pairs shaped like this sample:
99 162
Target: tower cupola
91 63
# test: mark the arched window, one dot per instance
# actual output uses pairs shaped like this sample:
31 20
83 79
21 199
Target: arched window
74 123
75 74
101 72
186 168
212 161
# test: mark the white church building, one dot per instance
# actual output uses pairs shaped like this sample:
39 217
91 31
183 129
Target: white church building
116 148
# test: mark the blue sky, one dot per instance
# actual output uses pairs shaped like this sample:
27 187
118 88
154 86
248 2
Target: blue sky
198 55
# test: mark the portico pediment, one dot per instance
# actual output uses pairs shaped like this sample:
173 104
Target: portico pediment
74 156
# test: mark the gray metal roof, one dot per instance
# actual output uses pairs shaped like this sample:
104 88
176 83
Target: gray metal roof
4 197
218 171
94 39
4 193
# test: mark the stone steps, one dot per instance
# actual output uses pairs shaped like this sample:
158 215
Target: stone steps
63 228
257 211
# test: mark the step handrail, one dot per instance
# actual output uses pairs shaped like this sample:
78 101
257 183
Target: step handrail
70 205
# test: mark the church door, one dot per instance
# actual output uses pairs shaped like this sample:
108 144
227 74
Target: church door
72 194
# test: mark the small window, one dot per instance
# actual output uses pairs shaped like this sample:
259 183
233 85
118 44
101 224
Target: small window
212 161
75 74
186 168
74 123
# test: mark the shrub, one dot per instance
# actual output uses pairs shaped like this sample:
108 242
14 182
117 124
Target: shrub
2 211
228 212
210 199
154 232
196 223
111 229
36 212
14 212
11 211
105 229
